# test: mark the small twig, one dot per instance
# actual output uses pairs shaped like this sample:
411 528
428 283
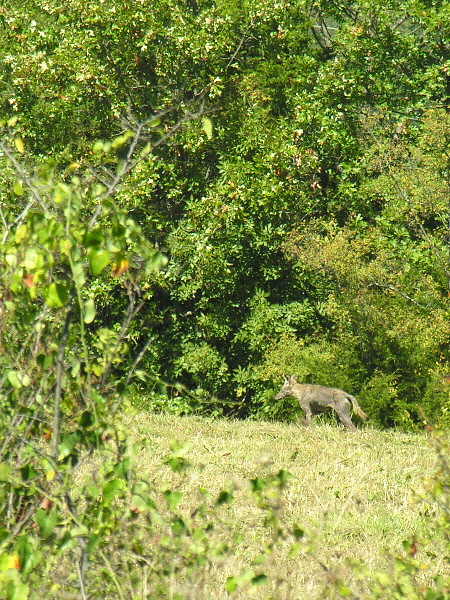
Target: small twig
56 434
392 288
25 178
138 359
131 313
112 574
129 163
83 565
23 521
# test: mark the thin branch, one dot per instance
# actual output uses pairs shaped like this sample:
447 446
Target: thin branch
138 359
131 313
391 288
83 565
239 46
129 163
25 178
56 434
112 574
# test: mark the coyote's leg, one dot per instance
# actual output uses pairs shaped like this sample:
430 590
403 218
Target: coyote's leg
308 414
343 411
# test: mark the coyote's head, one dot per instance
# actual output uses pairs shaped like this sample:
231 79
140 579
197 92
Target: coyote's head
286 390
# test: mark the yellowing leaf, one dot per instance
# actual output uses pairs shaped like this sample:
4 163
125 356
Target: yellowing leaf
65 246
120 267
29 280
21 233
19 145
207 127
31 258
9 561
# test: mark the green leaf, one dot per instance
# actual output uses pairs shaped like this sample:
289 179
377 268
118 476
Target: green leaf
231 584
78 274
207 127
89 311
178 526
94 238
155 263
298 532
260 579
47 522
5 471
18 590
62 191
173 498
68 443
98 260
14 379
224 497
18 188
113 489
57 295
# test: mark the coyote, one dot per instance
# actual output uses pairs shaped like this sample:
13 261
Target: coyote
316 398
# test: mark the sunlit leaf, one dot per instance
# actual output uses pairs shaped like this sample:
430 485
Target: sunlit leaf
18 141
31 258
113 488
67 444
89 311
207 127
21 234
5 471
14 379
18 188
47 522
98 260
57 295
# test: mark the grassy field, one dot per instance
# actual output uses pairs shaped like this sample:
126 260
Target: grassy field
354 494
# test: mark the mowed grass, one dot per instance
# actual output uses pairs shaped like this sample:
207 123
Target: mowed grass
354 494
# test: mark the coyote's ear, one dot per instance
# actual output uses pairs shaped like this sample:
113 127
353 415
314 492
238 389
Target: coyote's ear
293 379
286 381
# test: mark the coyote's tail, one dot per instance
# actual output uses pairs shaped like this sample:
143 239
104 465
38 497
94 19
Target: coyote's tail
356 407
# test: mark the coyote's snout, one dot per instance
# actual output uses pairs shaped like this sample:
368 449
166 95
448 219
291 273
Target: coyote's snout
317 398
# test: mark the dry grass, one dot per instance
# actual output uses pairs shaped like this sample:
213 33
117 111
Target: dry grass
353 493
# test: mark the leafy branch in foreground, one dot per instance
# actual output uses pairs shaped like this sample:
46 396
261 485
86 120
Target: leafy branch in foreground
59 359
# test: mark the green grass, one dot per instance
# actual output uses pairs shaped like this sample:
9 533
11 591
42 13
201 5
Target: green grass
354 494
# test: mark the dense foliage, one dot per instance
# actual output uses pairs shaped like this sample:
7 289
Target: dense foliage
296 180
197 198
